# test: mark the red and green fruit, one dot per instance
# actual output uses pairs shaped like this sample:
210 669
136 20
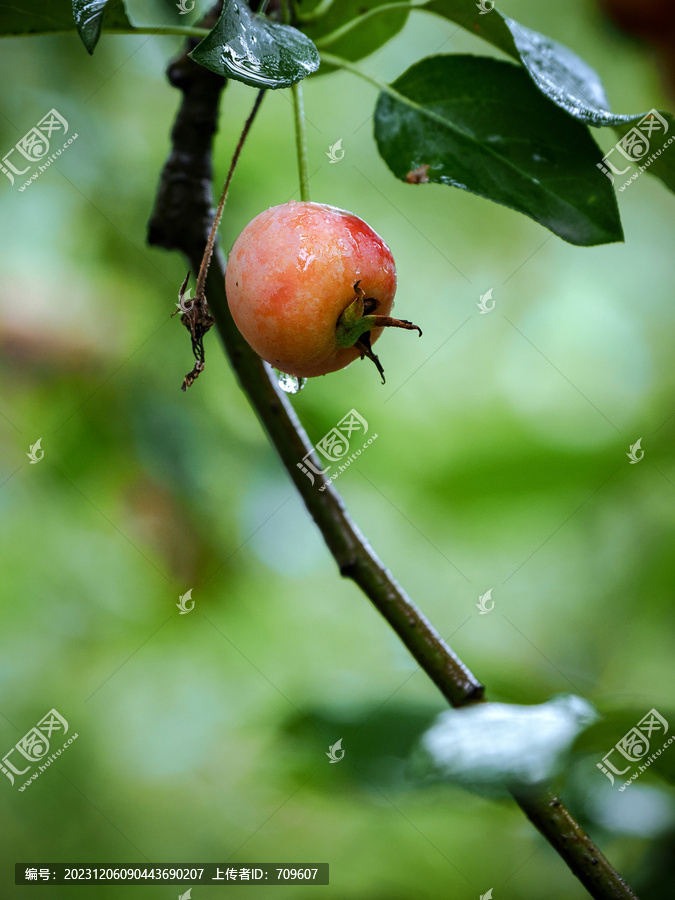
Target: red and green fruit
310 287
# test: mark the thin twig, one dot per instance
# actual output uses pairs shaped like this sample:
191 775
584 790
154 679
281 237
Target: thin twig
208 252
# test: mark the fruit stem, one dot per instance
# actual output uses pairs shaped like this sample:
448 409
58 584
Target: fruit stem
208 252
299 113
153 30
301 142
340 63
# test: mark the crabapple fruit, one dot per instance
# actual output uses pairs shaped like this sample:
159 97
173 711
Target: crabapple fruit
310 288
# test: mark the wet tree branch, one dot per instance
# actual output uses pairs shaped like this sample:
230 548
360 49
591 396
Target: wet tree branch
180 221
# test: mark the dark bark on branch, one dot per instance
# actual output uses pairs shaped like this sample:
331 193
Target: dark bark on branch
185 184
181 221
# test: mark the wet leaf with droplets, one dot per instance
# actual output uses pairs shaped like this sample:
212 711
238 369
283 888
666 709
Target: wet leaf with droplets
556 70
561 75
251 49
455 116
89 14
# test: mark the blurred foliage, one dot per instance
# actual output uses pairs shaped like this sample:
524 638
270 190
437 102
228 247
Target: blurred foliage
500 463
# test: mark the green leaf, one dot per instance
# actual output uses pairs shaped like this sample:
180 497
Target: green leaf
556 70
495 747
88 15
42 17
352 29
35 17
251 49
480 124
563 76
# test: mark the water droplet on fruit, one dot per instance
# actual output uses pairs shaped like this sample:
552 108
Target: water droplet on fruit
306 258
290 384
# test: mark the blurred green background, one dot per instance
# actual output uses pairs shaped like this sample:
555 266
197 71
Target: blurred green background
500 463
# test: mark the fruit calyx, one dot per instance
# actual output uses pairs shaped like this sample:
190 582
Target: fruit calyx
356 322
